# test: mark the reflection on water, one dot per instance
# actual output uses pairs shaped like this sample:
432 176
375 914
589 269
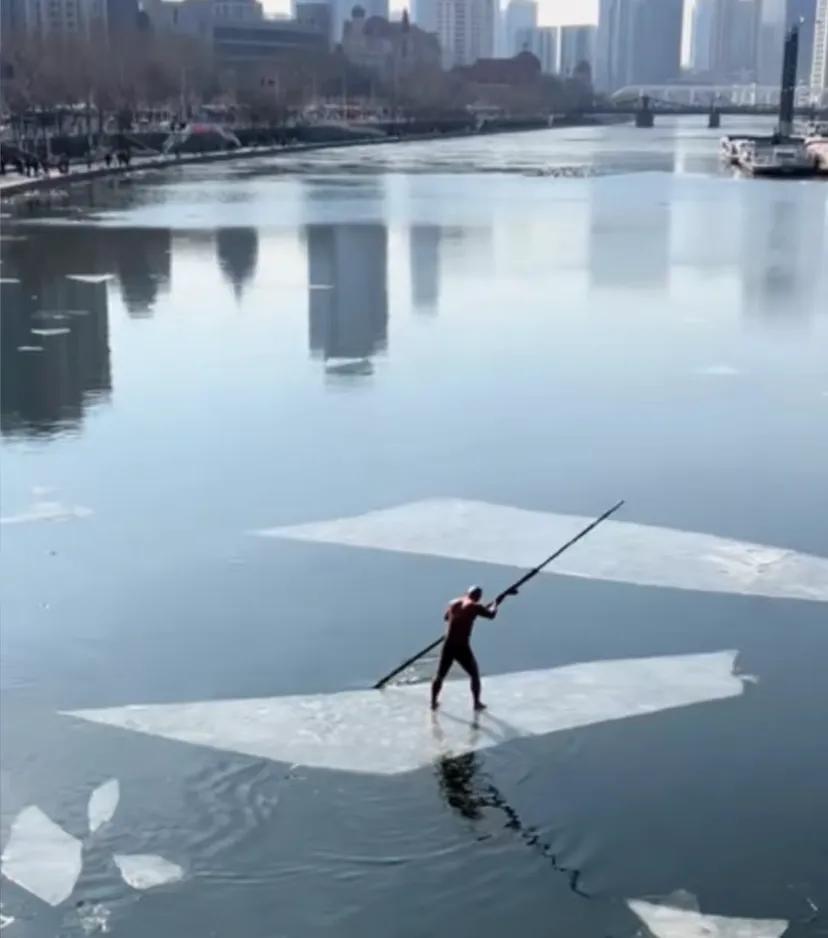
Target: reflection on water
629 237
142 261
237 250
783 257
470 792
347 290
424 255
55 353
764 244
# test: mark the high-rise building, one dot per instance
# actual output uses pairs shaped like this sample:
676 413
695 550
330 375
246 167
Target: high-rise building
770 41
467 30
121 17
542 42
701 35
426 15
47 18
804 13
521 15
735 40
577 44
819 65
638 42
12 17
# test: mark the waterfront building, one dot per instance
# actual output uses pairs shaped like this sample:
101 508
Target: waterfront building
390 50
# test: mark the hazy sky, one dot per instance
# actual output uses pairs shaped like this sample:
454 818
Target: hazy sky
550 12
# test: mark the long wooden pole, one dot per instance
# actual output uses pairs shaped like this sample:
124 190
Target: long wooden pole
509 591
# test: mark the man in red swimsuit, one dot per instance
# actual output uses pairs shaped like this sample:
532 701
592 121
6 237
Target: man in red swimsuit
460 617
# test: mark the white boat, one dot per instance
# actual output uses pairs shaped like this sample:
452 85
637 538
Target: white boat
775 157
816 143
729 149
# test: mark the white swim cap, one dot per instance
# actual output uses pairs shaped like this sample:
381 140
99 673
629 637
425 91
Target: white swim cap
474 589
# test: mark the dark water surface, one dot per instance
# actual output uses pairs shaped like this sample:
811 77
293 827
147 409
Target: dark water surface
551 321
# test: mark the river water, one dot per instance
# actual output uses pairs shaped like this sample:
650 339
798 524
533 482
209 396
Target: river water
547 321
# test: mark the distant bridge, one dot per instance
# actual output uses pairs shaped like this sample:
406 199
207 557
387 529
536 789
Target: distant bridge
700 98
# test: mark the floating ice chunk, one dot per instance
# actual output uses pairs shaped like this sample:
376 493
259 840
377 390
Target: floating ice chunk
621 551
103 803
665 921
147 870
47 511
95 918
51 332
5 920
391 731
29 348
41 857
722 371
90 278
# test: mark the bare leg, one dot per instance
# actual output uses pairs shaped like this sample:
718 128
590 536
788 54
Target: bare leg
468 662
443 668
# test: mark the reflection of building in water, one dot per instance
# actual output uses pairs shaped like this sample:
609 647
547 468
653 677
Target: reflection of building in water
55 353
141 258
424 259
348 290
629 238
782 254
238 252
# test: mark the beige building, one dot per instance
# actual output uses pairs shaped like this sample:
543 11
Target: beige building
388 49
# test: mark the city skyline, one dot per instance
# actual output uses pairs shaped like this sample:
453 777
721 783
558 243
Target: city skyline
550 12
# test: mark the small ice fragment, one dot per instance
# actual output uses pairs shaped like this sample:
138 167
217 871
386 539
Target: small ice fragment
50 332
47 511
147 870
95 918
667 921
722 371
90 278
102 804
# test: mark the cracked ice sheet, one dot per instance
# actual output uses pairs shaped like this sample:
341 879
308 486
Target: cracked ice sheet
621 551
41 857
664 921
392 731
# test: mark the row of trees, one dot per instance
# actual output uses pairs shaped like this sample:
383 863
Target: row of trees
87 81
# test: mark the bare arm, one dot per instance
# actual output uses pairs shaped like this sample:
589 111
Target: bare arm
486 612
